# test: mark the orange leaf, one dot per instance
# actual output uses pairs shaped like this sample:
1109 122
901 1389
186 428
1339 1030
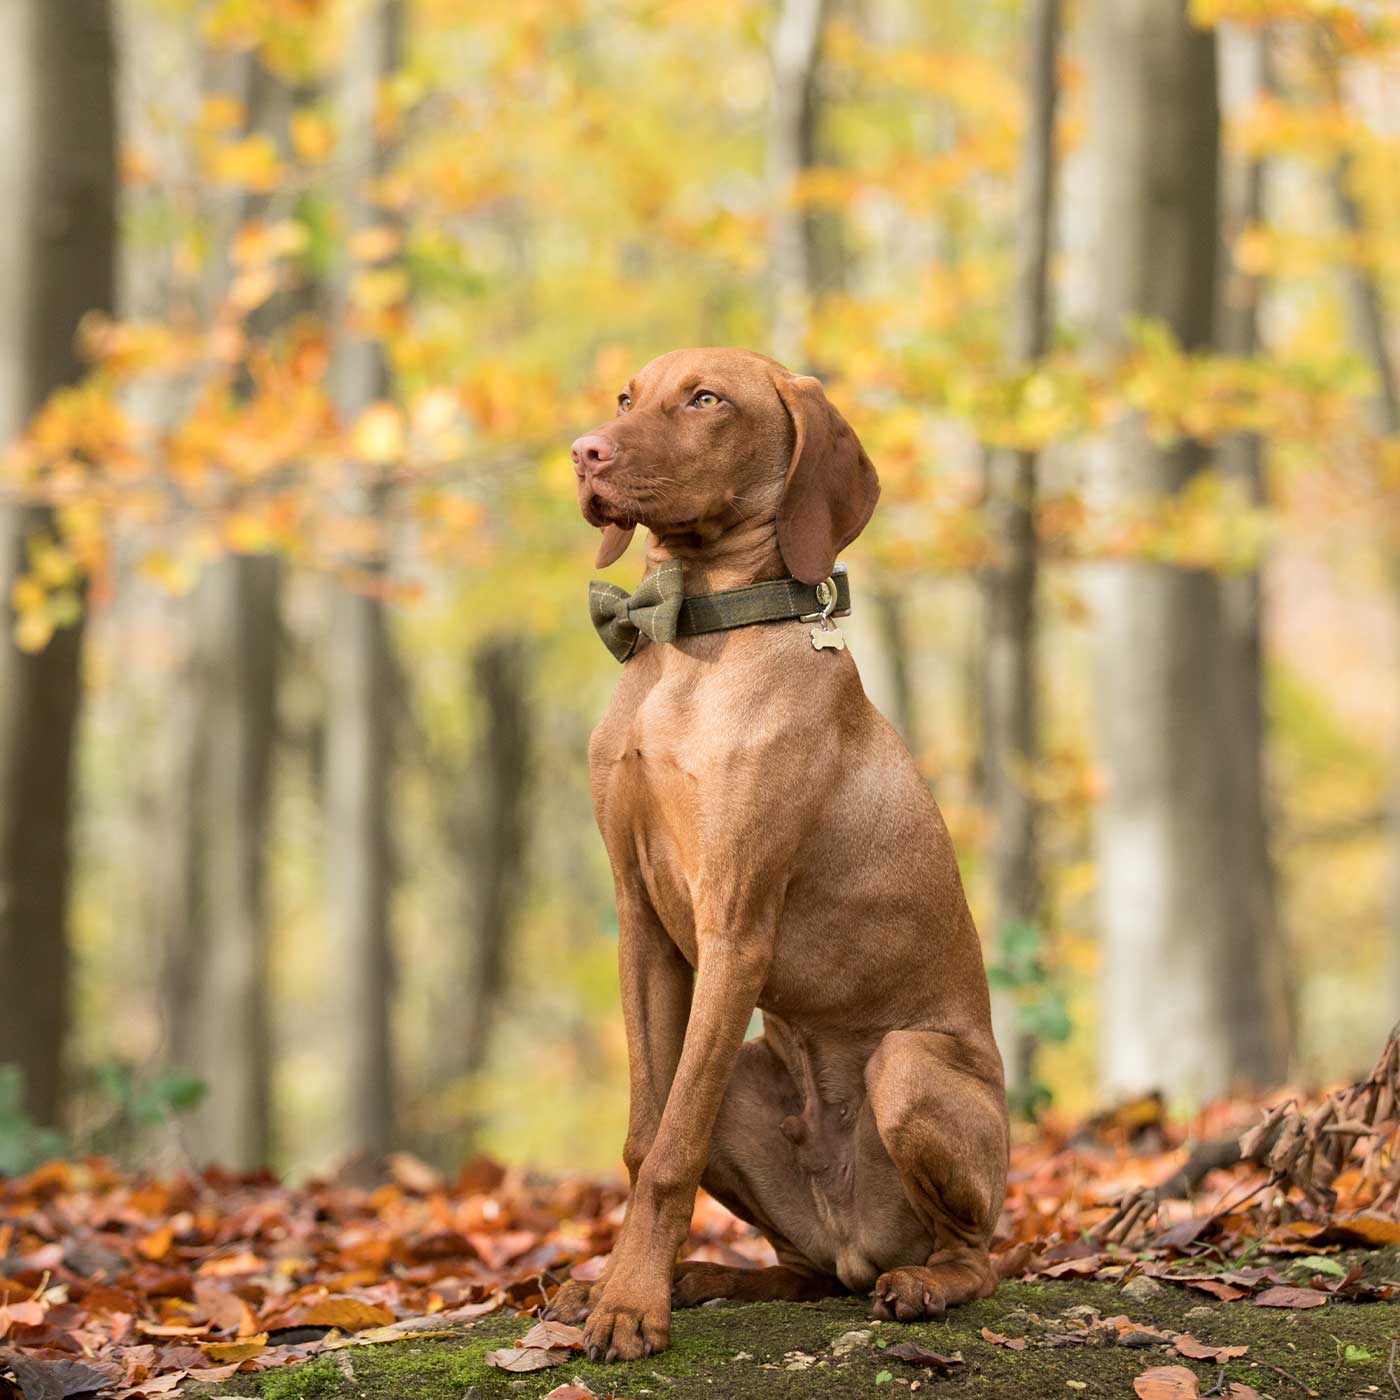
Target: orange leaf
157 1244
235 1351
349 1314
1188 1346
1167 1383
1290 1298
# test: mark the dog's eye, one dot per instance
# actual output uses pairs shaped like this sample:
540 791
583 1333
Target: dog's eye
624 402
704 399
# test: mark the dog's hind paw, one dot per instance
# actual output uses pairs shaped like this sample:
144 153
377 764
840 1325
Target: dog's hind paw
907 1295
570 1304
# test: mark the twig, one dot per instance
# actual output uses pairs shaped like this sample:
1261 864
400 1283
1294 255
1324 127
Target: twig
1390 1369
1218 1388
1288 1376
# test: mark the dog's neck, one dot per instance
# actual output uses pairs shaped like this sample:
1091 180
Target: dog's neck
719 555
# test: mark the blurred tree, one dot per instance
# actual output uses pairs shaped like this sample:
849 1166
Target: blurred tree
1166 914
1255 975
1370 328
58 183
492 828
359 667
1010 742
213 886
795 52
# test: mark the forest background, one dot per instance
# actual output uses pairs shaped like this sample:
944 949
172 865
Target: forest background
301 302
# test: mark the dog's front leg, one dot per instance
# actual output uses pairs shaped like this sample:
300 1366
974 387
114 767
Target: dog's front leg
632 1314
656 983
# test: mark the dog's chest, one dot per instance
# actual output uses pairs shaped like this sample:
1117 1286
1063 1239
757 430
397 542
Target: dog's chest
679 770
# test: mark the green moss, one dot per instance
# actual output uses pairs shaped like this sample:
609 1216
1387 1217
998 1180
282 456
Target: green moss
741 1352
317 1380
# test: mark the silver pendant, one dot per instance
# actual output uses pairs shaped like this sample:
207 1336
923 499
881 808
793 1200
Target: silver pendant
827 636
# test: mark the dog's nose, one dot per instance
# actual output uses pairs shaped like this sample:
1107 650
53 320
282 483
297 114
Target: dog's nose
591 453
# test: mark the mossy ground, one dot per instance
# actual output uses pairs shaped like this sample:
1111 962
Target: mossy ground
733 1352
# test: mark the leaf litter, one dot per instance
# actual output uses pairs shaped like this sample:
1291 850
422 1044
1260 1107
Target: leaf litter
145 1283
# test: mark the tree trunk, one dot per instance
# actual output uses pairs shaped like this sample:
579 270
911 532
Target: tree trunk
1164 899
211 889
359 664
57 262
891 617
1256 985
499 834
238 619
1009 745
795 49
1368 318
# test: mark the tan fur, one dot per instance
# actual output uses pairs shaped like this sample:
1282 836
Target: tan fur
773 845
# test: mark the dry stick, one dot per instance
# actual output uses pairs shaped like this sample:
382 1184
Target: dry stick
1288 1376
1390 1369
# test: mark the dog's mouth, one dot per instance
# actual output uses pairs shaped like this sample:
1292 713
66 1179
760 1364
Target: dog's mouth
600 509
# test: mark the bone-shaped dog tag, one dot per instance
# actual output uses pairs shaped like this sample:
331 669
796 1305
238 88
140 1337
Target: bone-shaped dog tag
828 639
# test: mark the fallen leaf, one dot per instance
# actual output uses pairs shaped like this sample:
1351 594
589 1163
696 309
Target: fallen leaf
554 1334
224 1309
915 1355
1167 1383
235 1351
570 1392
1080 1267
1290 1298
53 1380
590 1270
157 1385
1189 1346
1373 1229
376 1336
999 1339
1226 1292
157 1244
348 1314
525 1358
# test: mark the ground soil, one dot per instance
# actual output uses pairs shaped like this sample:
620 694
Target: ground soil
782 1351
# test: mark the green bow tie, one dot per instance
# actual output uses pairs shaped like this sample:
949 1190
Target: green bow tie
623 618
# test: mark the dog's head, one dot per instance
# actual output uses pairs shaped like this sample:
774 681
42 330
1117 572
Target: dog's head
705 440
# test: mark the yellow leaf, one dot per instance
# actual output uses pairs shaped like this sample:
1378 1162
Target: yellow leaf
251 289
27 594
245 1350
32 631
378 288
54 566
311 136
247 534
65 608
378 435
222 113
250 163
375 244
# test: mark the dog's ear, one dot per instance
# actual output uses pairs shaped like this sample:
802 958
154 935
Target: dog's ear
614 544
831 486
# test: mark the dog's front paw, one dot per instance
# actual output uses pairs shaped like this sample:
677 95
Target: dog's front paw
622 1328
571 1303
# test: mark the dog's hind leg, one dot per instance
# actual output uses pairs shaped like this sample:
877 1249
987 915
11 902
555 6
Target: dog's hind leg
753 1170
940 1109
699 1282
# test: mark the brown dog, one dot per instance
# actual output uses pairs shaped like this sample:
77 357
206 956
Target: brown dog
773 845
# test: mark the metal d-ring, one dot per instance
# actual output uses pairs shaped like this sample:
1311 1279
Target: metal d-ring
826 596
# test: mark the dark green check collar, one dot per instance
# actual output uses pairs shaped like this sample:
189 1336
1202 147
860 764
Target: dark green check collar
659 611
